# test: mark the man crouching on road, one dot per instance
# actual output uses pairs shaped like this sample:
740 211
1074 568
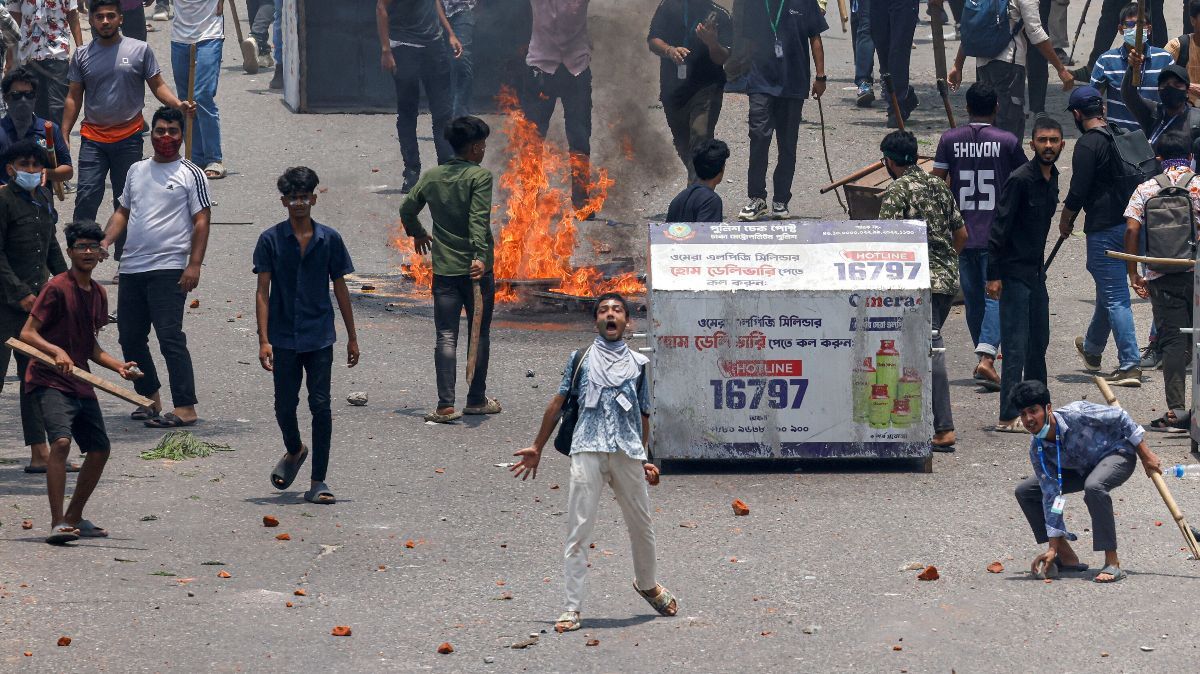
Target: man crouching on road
608 445
1084 447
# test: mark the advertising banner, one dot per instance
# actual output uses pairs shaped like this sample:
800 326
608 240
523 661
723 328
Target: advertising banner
790 340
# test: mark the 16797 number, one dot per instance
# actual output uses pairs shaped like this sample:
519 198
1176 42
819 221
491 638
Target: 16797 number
860 271
740 394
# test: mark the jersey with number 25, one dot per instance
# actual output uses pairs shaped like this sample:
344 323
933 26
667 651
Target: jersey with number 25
978 159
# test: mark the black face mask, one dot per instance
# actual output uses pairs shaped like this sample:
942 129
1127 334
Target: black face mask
1172 97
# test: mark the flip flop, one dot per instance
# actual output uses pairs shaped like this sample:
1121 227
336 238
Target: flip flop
443 418
320 494
142 413
41 470
63 533
490 406
1116 572
169 420
89 530
285 471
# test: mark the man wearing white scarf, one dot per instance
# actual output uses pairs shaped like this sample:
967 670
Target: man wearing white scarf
608 446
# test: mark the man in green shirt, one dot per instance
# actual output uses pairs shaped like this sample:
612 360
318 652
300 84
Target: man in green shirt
459 196
917 195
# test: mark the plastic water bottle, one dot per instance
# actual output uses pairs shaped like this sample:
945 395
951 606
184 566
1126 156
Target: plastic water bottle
1181 470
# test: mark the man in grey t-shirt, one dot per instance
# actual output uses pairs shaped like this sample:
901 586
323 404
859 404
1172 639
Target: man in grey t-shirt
114 71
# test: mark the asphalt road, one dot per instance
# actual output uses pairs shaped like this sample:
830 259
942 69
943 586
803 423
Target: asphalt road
821 551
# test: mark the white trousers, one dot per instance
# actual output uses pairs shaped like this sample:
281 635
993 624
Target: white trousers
590 471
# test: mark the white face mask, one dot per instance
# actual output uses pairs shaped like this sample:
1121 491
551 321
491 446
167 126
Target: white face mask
1131 36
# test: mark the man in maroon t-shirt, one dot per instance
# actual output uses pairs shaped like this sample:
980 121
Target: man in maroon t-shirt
976 160
64 322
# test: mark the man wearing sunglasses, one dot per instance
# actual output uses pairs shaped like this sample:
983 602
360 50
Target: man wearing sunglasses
1112 66
20 89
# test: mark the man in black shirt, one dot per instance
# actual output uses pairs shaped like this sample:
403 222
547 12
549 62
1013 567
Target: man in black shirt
410 37
1095 171
692 39
769 63
1173 113
700 201
1016 247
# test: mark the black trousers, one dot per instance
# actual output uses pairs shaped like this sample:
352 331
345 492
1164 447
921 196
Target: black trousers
1025 334
32 427
943 419
1110 21
1009 82
539 96
451 294
1171 300
315 368
893 24
772 116
134 23
417 67
52 85
154 299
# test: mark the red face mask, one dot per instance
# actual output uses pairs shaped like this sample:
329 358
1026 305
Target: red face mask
166 146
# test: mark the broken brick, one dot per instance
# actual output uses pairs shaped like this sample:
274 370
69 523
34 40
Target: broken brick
995 567
283 537
64 641
739 508
930 573
341 631
269 521
445 648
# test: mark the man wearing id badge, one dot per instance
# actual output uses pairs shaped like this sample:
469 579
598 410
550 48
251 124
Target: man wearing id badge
772 43
604 405
1080 447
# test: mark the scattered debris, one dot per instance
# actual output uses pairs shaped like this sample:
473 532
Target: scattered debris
64 641
592 642
27 524
688 525
270 521
811 629
182 445
224 574
930 573
1104 654
358 398
444 649
521 645
410 544
439 471
528 373
301 592
367 287
1158 524
739 508
162 573
487 659
120 559
897 647
995 567
195 304
288 604
283 537
149 518
912 566
506 596
341 631
1146 649
212 563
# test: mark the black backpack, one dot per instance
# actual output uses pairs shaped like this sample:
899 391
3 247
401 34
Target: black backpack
1135 161
569 416
1170 223
1185 47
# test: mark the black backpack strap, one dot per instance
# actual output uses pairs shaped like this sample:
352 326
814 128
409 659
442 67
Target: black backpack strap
576 366
1185 47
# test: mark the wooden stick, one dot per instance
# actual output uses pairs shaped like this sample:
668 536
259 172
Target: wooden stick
857 175
191 119
1159 483
53 159
476 328
119 391
845 13
1138 43
1171 261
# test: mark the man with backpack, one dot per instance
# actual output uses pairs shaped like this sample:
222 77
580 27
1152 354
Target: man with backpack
1000 49
604 404
1161 222
1182 48
1100 179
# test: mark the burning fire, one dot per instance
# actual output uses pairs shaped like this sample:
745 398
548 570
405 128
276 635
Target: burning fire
540 230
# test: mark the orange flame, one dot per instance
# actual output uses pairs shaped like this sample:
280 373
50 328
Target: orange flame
540 232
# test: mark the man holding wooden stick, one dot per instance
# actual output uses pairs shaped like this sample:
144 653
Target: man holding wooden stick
64 322
1084 447
459 196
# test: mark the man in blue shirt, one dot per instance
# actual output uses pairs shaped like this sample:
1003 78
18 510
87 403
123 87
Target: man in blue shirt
19 88
1109 71
700 201
606 383
1084 447
295 262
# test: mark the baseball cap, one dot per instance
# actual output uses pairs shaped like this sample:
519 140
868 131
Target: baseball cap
1083 98
1175 71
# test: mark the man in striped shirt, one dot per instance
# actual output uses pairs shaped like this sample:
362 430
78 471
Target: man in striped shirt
1109 71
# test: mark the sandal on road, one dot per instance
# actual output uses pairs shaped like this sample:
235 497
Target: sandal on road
443 418
491 406
169 420
1171 422
288 467
62 533
89 530
41 470
143 413
567 622
1014 426
663 602
215 171
1110 570
320 494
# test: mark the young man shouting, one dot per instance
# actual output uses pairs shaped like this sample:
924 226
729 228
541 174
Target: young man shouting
295 261
607 384
64 322
1084 447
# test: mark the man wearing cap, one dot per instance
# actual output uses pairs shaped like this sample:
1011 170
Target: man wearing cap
1173 112
1095 182
1109 72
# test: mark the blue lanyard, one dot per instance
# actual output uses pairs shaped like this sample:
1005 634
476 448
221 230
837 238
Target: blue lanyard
1163 126
1042 457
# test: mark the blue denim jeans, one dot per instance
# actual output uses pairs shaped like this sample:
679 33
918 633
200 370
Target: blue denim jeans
462 69
206 137
983 312
864 46
278 32
1113 313
98 161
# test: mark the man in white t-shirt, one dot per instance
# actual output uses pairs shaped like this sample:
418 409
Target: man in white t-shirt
165 208
201 23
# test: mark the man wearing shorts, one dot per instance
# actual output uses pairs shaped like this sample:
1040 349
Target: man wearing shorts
66 317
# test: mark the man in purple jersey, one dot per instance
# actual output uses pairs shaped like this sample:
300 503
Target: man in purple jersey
976 160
